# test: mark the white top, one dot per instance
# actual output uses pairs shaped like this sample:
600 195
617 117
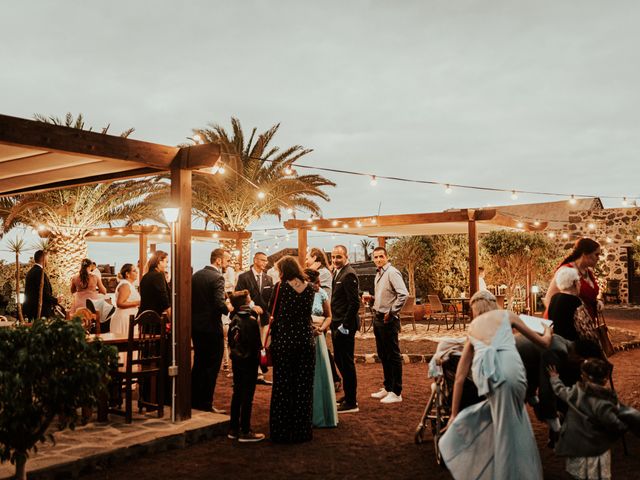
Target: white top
120 319
482 285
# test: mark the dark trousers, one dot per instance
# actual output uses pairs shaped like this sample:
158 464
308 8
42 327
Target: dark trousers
389 352
343 350
208 348
245 374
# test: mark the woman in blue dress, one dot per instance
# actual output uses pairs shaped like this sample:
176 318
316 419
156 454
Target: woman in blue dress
325 410
493 439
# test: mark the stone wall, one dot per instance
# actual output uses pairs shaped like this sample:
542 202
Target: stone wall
613 228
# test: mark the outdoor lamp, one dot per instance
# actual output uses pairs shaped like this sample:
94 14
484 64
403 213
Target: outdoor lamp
171 214
535 289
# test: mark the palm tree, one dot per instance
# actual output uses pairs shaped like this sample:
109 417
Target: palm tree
17 246
366 245
256 181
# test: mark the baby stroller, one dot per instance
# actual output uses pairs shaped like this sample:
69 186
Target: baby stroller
442 368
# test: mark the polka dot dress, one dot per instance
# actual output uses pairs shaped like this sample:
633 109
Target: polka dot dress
293 354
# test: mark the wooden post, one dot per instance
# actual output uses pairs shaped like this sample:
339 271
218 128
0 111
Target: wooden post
240 253
382 242
473 256
302 246
529 305
181 197
143 253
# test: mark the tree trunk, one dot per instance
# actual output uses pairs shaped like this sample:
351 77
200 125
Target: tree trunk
66 252
21 467
231 247
18 304
412 281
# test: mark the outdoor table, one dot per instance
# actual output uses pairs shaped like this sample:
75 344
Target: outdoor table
464 311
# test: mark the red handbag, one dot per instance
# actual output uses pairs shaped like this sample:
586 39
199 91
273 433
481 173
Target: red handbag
265 353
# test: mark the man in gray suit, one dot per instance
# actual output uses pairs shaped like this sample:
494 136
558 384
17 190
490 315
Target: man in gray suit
208 304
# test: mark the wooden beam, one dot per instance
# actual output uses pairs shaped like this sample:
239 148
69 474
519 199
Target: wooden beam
181 197
55 138
198 156
382 242
391 220
302 246
142 246
473 257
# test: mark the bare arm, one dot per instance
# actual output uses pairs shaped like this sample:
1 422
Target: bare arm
553 289
101 287
543 340
326 312
123 295
464 365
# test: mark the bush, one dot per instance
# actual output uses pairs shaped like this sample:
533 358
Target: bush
47 369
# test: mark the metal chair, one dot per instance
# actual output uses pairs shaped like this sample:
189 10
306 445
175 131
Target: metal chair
438 312
406 313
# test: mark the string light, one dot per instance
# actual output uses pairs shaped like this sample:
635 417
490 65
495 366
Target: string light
374 221
374 181
573 200
551 235
221 169
261 195
591 226
345 225
315 227
288 170
215 235
197 138
624 201
310 219
536 223
120 230
334 223
359 223
520 225
514 195
289 210
565 236
448 189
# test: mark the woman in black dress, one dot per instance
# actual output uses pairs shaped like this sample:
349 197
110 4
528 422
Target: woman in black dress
563 305
293 353
154 291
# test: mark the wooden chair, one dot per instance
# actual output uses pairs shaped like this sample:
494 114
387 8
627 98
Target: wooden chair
500 301
145 364
438 312
406 313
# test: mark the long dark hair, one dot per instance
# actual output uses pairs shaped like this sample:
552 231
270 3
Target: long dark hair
290 269
320 256
155 259
583 246
84 275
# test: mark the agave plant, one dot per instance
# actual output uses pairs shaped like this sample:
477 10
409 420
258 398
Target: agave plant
258 180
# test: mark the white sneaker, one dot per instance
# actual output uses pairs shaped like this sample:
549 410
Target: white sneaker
391 398
380 394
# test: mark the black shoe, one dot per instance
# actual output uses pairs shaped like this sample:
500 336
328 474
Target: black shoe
263 381
345 407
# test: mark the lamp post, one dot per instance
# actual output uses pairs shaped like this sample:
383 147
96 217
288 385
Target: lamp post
171 216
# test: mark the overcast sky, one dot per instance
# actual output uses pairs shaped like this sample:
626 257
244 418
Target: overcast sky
526 95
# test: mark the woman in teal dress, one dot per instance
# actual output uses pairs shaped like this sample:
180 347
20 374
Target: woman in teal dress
325 411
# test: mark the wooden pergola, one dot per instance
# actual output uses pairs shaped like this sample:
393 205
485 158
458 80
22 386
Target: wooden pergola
469 221
36 156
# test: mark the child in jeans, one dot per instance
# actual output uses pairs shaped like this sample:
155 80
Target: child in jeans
592 423
244 347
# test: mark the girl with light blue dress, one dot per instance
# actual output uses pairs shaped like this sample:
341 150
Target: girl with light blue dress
325 412
493 439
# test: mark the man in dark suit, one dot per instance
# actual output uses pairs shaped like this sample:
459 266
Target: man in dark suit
35 276
208 304
260 286
345 303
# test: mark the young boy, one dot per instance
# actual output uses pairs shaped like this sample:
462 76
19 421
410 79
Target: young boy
592 423
244 347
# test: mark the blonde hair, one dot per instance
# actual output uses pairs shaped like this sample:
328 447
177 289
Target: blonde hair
482 302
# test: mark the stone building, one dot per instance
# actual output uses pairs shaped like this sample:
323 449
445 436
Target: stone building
613 228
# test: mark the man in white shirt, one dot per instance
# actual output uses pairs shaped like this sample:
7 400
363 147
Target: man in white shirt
390 296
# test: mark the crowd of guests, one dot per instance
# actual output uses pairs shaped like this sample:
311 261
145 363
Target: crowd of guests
562 372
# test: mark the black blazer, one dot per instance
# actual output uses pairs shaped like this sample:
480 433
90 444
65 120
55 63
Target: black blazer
154 292
247 281
32 292
345 301
207 301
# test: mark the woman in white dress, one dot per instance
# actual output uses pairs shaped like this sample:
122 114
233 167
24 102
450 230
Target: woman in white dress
127 299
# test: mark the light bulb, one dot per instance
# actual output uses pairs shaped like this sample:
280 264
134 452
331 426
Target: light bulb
261 195
448 189
572 200
624 202
288 170
536 223
520 225
565 236
551 235
315 227
514 195
374 181
197 138
591 226
334 223
289 210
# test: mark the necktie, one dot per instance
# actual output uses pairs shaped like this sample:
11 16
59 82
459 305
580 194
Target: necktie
260 282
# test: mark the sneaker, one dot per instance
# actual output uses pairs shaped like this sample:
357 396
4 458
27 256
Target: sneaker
339 400
233 434
391 398
380 394
345 407
263 381
251 437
